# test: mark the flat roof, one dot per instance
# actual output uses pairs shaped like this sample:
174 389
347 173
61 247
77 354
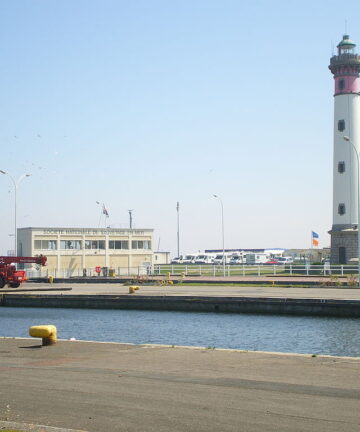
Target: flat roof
85 229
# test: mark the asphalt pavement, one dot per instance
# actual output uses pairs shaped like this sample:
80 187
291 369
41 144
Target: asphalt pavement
118 387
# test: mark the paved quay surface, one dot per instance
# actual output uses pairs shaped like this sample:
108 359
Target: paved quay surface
202 290
119 387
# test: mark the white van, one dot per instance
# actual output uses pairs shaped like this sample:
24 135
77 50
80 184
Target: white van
204 259
219 259
189 259
285 260
177 260
236 259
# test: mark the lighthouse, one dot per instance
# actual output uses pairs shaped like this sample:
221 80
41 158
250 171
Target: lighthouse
345 66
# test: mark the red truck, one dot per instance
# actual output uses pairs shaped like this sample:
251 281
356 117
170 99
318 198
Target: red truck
12 277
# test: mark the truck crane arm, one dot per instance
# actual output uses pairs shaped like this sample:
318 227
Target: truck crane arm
40 260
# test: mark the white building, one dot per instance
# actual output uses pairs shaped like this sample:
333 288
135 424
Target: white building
160 257
76 249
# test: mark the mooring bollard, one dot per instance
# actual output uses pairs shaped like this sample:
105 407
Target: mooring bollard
133 288
48 334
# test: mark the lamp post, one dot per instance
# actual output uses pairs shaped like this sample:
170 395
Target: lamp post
16 185
346 138
222 229
178 229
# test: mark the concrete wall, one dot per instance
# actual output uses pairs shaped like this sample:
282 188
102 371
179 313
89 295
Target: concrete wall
316 307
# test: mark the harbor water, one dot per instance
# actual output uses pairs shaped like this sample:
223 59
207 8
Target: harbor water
279 333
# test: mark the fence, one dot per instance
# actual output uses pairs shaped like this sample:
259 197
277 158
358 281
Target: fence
256 270
90 272
204 270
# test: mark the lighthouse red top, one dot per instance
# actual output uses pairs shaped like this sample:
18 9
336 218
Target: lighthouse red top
345 67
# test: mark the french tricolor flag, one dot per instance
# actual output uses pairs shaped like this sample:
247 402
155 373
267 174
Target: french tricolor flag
314 237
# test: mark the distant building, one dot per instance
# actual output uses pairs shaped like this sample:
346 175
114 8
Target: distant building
161 257
86 248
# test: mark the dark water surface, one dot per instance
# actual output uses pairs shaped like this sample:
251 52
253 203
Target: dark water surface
335 336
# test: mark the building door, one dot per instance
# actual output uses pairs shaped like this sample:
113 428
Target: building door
342 255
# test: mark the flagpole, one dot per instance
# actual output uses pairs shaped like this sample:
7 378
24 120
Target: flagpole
97 202
105 212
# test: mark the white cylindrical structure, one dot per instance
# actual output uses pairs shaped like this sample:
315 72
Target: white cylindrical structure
345 177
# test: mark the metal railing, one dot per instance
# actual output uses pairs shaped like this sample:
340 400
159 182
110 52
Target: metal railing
203 270
256 270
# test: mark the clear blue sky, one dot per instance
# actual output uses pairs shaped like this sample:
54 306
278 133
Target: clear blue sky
142 104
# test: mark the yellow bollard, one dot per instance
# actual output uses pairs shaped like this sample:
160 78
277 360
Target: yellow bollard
133 288
48 333
51 279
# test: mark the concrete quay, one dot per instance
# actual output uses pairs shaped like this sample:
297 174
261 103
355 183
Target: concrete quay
317 301
268 279
201 290
120 387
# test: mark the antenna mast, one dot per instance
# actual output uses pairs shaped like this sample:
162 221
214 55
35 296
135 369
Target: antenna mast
131 219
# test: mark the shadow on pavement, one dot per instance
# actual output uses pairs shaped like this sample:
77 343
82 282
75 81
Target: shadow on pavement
31 347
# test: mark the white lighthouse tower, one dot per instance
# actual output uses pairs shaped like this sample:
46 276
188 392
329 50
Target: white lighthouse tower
345 66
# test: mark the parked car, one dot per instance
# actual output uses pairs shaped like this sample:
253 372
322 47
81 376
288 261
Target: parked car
272 262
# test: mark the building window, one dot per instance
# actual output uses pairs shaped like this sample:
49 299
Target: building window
341 167
141 244
341 84
341 125
94 244
341 209
118 244
70 244
45 244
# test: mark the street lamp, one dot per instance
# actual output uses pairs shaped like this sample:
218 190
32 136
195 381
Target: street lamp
222 227
346 138
178 229
16 185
